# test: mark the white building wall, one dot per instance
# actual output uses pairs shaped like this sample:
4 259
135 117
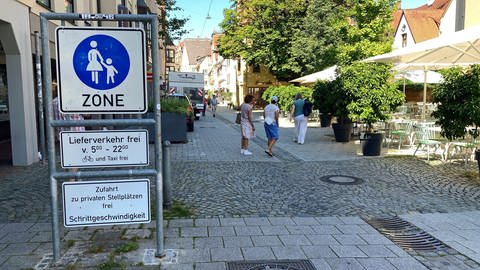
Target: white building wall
402 28
204 68
447 23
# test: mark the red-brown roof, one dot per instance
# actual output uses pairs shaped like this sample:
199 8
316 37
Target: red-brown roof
197 49
424 21
438 4
424 24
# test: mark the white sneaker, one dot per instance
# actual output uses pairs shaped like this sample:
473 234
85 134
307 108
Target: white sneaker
242 151
247 153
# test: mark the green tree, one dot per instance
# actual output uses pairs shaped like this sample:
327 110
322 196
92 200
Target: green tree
262 32
458 98
367 92
315 43
297 37
172 26
366 31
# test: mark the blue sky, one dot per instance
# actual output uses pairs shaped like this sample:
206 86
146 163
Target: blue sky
197 11
413 3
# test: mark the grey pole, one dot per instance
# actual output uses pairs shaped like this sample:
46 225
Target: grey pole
47 78
167 175
158 132
41 118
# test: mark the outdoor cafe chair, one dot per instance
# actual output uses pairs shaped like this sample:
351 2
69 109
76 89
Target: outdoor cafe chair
425 138
464 148
403 131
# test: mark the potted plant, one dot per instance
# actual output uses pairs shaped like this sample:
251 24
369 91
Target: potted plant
370 95
458 99
342 128
176 113
324 100
175 116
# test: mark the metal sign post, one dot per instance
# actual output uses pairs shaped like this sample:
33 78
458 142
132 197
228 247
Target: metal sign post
89 70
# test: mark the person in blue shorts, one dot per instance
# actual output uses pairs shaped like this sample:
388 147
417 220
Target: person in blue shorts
270 114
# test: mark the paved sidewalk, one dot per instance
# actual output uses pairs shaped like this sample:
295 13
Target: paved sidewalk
258 207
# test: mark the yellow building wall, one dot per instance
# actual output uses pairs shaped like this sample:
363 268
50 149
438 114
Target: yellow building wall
255 83
472 11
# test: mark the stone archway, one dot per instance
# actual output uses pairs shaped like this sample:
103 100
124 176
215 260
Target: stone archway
16 42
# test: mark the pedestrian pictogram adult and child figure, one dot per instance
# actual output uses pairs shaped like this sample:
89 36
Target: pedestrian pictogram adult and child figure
97 64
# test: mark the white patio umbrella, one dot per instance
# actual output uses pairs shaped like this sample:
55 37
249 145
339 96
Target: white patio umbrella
460 48
419 76
327 74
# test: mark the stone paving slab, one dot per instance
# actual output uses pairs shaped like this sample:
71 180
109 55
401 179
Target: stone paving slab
257 206
448 228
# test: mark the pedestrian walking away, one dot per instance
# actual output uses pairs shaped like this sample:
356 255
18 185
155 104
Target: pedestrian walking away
246 122
299 119
270 114
213 104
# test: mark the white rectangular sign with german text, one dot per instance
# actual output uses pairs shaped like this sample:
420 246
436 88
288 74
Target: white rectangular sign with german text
106 202
104 148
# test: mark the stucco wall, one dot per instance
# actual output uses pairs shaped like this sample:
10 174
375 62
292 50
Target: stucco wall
397 40
472 13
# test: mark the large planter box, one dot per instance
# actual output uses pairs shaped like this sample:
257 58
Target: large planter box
174 127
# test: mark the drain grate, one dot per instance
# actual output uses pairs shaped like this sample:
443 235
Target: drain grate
271 265
406 235
341 179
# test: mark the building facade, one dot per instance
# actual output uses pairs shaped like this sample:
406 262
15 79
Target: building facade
433 19
19 20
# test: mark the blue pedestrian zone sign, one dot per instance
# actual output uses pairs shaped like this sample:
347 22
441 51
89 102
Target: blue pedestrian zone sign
101 62
101 70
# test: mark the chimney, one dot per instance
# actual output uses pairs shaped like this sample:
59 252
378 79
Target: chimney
399 4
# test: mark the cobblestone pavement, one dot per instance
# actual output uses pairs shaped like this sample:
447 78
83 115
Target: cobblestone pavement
258 207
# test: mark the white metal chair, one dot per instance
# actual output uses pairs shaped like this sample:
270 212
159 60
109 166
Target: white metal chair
402 131
425 137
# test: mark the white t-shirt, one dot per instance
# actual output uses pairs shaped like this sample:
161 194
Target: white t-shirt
270 110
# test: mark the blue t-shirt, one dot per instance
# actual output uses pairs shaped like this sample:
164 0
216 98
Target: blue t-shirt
298 107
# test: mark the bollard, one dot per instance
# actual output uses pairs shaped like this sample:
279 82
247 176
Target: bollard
477 158
166 171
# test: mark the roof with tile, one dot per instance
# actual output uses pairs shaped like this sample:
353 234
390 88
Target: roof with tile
197 49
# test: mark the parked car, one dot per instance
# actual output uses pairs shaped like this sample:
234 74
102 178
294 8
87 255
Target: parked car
190 119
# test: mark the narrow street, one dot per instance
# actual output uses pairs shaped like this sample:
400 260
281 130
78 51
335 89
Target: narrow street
259 207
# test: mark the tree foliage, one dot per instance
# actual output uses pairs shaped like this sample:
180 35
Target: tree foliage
365 33
262 32
297 37
323 96
458 98
368 92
